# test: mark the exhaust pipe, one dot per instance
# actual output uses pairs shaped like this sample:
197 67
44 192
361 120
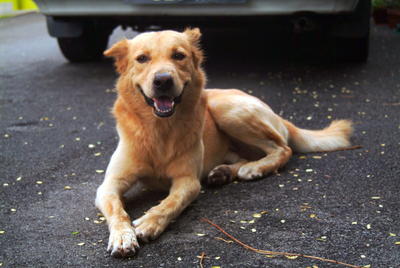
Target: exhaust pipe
303 24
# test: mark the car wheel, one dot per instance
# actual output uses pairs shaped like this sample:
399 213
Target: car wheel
351 49
89 46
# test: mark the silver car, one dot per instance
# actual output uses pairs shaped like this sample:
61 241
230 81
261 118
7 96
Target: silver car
82 27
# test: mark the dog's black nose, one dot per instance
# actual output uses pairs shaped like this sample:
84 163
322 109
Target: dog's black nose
163 81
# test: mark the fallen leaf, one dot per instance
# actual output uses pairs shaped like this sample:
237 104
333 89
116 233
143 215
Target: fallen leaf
292 257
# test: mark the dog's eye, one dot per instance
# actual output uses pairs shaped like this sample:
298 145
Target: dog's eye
178 56
142 58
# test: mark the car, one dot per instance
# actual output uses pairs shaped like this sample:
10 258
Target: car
82 27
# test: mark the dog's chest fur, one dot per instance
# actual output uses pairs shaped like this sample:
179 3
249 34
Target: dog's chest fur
156 143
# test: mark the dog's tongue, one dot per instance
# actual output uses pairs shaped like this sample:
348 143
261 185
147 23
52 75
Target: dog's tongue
164 103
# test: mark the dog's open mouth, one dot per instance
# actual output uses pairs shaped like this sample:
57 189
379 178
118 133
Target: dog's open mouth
164 106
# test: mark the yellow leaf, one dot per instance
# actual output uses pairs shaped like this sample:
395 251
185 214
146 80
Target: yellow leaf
292 257
257 215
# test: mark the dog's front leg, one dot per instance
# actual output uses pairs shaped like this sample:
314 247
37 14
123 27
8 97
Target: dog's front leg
183 191
119 178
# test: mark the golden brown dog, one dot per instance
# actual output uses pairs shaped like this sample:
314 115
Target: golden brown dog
173 133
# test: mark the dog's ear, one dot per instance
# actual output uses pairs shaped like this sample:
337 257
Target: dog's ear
193 36
119 52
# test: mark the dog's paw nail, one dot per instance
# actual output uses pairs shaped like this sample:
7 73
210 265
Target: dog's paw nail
122 242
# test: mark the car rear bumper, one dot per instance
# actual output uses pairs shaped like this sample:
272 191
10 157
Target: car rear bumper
250 8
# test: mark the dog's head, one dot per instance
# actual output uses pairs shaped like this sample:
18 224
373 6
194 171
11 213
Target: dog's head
162 66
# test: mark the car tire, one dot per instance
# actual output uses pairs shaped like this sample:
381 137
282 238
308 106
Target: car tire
351 49
89 46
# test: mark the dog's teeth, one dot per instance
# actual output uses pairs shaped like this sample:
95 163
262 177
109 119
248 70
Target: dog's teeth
163 110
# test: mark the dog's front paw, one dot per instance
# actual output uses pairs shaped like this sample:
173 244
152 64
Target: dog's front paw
122 241
149 226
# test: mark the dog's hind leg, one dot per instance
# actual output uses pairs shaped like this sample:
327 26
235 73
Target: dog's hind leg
252 122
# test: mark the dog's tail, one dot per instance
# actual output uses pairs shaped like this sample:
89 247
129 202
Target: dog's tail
335 136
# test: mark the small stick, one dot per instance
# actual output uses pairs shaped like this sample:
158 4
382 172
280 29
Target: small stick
201 259
277 253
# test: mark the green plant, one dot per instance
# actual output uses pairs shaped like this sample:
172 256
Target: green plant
386 3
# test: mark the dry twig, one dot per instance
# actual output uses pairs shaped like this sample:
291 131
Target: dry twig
276 253
201 257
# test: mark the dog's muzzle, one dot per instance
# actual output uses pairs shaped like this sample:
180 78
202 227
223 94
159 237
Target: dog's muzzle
164 106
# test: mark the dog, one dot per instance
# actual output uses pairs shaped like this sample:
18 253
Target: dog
174 134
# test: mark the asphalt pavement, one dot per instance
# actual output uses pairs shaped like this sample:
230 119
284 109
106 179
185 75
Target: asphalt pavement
57 135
